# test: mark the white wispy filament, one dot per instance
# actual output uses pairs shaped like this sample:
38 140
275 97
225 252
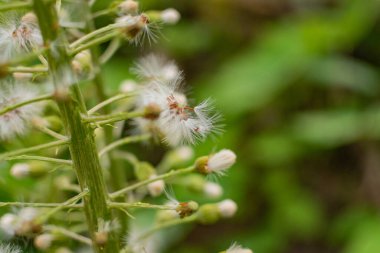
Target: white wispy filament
16 122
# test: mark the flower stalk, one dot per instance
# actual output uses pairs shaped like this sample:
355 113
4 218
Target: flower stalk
82 146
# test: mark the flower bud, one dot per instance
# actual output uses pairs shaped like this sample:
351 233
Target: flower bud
170 16
144 170
128 86
54 123
20 170
157 187
30 18
217 163
213 190
43 241
31 169
227 208
166 215
128 7
208 214
101 238
8 224
63 250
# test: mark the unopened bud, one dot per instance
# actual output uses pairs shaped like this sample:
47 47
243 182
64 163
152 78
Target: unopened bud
144 171
166 215
128 86
43 241
170 16
227 208
128 7
217 163
208 214
30 169
157 187
30 18
101 238
213 190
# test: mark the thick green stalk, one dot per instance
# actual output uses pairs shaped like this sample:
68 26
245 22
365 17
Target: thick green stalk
117 174
82 146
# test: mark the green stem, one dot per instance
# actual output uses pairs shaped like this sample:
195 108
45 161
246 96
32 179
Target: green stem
90 36
64 205
109 101
102 13
141 205
33 149
82 147
109 119
124 141
51 132
27 69
40 205
168 224
68 233
94 42
110 51
14 6
170 174
40 158
23 103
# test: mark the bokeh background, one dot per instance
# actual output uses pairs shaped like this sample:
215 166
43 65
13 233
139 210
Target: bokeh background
298 84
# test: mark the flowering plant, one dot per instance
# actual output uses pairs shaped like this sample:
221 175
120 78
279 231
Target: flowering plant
46 55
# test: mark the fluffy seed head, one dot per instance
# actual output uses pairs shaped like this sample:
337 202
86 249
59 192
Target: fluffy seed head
154 66
227 208
138 28
18 35
213 190
170 16
235 248
9 248
16 122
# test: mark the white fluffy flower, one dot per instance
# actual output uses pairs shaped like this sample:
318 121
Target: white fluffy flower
9 248
179 123
16 122
235 248
18 34
227 208
221 161
138 28
153 67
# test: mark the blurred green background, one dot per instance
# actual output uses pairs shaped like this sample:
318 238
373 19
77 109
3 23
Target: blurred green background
298 83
